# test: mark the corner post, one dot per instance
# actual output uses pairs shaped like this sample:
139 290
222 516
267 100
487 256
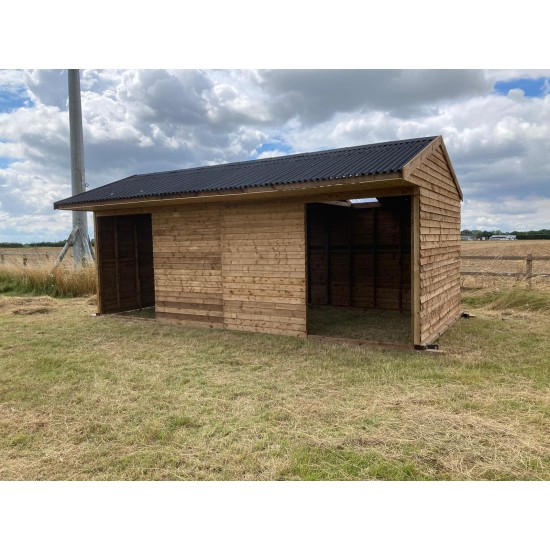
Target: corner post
415 267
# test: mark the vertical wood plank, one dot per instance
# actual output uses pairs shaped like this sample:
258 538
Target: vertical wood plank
117 277
401 239
136 265
98 263
374 257
415 266
349 213
307 261
307 230
328 255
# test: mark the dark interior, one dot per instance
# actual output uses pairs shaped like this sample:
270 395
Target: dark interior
359 255
125 246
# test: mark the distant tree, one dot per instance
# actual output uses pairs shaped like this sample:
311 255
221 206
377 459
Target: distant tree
536 234
47 243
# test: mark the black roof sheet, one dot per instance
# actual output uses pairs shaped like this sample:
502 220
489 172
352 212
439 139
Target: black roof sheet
361 160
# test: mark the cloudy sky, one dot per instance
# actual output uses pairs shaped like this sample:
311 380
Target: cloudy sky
495 123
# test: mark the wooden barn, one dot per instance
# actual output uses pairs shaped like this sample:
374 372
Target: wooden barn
259 245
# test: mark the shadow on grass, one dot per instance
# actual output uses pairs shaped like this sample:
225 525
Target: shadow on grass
363 324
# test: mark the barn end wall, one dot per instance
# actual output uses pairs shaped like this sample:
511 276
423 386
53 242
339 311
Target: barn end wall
439 247
360 256
237 266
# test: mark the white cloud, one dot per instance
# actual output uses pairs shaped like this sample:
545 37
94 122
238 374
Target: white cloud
12 81
527 214
271 154
144 121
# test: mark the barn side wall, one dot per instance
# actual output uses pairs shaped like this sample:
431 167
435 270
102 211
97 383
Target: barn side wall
439 247
237 266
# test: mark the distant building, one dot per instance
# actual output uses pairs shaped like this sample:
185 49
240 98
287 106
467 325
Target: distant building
466 238
503 238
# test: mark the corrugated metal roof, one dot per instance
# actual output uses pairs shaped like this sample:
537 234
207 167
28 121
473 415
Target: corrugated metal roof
361 160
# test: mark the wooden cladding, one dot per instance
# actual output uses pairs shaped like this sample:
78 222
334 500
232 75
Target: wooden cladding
438 279
263 263
360 257
236 266
125 262
188 277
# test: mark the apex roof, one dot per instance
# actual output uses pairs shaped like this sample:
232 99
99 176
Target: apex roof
334 164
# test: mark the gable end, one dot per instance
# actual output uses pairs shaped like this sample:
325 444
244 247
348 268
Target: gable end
432 168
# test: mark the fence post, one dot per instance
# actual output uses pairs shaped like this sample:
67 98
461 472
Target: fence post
24 260
2 258
529 270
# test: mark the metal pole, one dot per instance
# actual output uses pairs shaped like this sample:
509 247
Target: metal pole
77 164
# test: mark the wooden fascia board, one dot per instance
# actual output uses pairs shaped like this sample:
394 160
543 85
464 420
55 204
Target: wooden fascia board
378 181
417 160
448 159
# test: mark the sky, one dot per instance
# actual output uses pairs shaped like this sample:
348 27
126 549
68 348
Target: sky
495 124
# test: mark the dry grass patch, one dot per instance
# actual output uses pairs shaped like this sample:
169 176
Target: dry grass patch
498 249
506 248
37 278
110 398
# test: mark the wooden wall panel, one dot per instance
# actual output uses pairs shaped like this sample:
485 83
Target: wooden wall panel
187 259
235 266
264 268
439 246
360 257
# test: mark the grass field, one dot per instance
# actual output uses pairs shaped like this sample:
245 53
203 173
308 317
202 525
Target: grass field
113 398
108 398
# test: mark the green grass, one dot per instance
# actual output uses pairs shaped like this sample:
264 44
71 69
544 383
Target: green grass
518 299
111 398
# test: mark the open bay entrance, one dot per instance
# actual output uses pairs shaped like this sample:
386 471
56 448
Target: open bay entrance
359 269
125 263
